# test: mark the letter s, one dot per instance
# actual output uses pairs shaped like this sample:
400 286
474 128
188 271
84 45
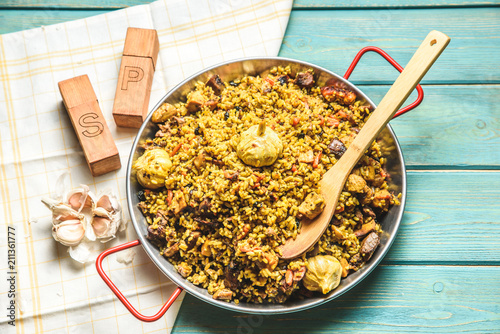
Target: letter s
95 128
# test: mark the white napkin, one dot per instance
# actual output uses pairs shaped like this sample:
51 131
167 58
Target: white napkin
50 291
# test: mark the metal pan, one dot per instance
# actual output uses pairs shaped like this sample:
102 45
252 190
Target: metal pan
229 71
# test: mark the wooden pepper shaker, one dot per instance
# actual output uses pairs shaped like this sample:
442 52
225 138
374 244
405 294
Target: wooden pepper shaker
136 76
89 124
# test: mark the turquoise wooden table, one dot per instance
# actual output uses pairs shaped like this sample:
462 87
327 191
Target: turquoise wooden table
443 272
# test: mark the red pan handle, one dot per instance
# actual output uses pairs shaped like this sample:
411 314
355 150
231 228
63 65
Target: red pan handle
117 292
393 63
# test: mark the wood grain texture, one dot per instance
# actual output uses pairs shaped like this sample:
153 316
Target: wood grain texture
315 4
450 217
456 126
331 38
393 299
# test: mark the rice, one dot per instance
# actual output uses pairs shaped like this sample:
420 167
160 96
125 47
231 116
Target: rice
233 217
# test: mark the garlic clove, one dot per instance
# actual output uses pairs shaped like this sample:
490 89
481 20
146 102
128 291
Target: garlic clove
80 198
69 232
101 226
105 203
61 211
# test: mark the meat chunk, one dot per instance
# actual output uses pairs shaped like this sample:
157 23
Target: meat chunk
178 203
365 229
345 267
337 148
231 273
304 80
192 239
205 206
170 251
215 83
184 269
199 162
355 183
223 294
195 101
342 96
368 245
368 173
306 157
283 80
270 261
381 199
312 205
164 113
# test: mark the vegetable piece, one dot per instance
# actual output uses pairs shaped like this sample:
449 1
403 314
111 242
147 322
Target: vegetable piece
332 121
152 168
312 205
216 84
259 146
164 113
199 162
323 273
295 121
345 267
317 159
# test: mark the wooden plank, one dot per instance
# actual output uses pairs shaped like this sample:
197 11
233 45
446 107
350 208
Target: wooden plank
393 299
113 4
450 217
331 38
455 127
355 4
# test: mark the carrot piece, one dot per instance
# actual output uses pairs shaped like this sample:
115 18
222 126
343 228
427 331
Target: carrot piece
332 121
294 168
317 159
295 121
270 81
176 149
322 120
170 196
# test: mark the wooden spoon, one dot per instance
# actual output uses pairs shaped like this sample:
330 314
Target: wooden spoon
334 179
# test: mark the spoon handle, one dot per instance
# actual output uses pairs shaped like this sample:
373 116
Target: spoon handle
430 49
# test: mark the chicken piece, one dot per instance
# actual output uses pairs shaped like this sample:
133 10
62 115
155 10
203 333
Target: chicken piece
368 173
205 249
365 229
170 251
355 183
312 206
304 80
216 84
199 162
195 101
184 269
178 203
223 294
271 261
164 113
381 199
306 157
342 96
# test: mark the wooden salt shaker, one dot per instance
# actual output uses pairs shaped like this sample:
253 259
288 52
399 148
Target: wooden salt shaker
136 76
89 124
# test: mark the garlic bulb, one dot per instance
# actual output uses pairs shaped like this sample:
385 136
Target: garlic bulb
82 219
259 146
69 232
